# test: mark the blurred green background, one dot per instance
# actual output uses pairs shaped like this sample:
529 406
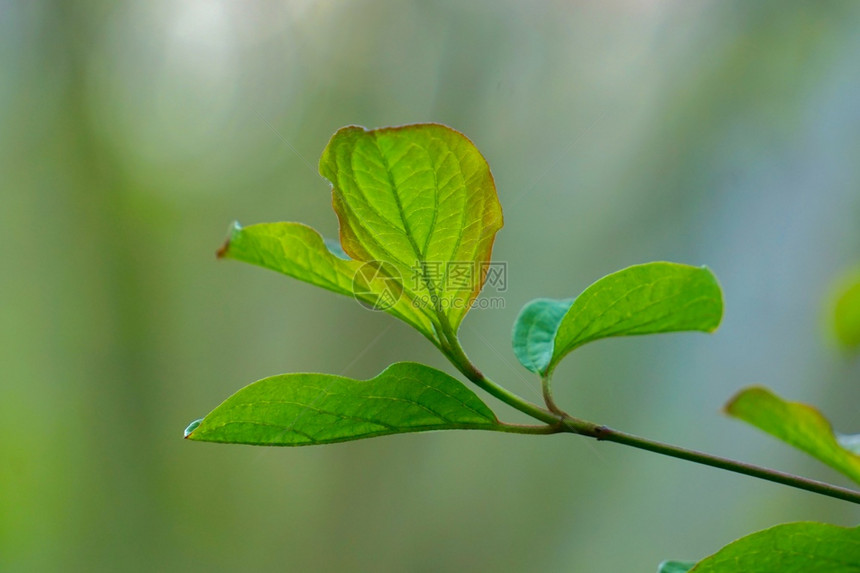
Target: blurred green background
724 133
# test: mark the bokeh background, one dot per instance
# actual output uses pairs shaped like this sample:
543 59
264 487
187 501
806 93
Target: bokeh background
724 133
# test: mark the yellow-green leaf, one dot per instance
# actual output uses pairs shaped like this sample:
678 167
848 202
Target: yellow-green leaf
799 425
299 251
421 198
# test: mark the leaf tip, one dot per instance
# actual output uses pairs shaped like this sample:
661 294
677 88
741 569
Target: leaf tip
191 427
675 566
224 249
731 407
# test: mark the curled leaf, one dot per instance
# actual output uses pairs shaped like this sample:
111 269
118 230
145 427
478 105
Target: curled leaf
534 331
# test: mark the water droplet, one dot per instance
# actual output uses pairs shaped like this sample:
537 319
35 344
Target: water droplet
192 426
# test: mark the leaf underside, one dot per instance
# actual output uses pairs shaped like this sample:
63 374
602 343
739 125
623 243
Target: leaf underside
306 409
799 425
675 566
534 331
804 547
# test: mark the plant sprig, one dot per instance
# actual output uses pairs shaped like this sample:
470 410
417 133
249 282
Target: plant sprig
418 213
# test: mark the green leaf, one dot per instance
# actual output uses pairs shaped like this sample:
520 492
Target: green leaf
674 566
797 424
805 547
420 198
299 251
642 299
846 311
534 331
305 409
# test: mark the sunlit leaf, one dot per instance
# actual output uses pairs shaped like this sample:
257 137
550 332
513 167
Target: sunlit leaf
534 331
802 426
421 198
805 547
675 566
299 251
305 409
642 299
846 311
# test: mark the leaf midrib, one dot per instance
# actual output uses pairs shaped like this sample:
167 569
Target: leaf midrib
406 227
578 341
431 286
340 439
